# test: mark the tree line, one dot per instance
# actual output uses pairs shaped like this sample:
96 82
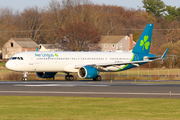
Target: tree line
79 24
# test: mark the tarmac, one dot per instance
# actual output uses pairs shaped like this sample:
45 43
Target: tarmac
88 88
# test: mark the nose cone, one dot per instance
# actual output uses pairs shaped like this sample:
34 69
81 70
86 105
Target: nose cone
8 65
14 65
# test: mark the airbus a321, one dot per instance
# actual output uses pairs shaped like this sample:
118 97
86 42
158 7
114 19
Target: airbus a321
85 64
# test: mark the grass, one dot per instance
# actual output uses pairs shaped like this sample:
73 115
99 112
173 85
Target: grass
77 108
2 64
131 74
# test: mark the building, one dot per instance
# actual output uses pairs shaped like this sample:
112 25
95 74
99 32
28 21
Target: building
0 54
113 43
49 47
15 45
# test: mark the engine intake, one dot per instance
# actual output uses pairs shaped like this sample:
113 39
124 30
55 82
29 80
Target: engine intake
46 74
87 72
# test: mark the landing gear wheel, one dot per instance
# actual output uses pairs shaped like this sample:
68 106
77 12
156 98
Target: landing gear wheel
69 77
98 78
25 76
24 79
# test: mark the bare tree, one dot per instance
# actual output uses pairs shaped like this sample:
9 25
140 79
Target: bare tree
172 35
31 24
6 24
78 36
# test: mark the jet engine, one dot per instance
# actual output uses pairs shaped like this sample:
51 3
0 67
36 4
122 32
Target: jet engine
87 72
46 74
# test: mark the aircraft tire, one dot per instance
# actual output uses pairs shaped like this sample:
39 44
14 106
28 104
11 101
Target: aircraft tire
66 78
71 77
24 79
98 78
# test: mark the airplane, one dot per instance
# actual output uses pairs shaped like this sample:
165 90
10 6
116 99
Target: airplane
87 65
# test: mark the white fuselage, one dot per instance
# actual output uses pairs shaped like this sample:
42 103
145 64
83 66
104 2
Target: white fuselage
64 61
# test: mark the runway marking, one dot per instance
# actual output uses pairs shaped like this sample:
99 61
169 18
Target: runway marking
73 85
45 85
94 93
62 85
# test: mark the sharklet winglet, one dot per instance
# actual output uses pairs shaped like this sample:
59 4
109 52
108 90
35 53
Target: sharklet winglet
164 55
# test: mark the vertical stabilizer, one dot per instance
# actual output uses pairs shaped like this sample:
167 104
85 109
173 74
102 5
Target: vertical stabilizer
144 42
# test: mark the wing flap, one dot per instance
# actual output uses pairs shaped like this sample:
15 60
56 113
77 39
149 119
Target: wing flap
136 63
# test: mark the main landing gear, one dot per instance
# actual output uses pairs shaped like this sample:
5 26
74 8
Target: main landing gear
25 76
98 78
69 77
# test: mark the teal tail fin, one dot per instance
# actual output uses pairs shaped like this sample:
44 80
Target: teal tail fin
144 42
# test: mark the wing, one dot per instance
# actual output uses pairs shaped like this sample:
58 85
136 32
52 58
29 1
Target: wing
104 65
136 63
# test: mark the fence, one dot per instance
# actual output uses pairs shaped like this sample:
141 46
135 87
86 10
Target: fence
139 73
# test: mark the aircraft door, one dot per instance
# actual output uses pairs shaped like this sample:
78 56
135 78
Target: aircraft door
136 58
21 63
31 62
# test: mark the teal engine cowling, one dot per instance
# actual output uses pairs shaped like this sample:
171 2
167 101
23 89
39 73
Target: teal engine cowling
46 74
87 72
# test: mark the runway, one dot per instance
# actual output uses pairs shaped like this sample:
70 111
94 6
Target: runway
119 89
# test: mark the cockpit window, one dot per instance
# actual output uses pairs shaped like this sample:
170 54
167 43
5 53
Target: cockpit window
13 58
17 58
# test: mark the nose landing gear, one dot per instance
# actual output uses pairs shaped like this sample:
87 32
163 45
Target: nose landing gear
25 76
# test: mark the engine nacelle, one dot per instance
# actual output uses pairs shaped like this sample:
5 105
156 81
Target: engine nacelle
46 74
87 72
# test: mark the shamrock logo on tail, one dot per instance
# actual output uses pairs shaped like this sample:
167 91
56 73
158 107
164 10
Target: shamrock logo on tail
145 43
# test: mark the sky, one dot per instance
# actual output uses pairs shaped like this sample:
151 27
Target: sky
21 4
